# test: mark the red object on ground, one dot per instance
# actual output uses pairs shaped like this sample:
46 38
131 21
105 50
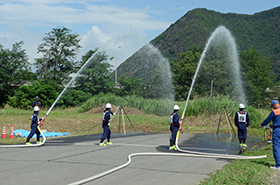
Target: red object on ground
12 132
4 132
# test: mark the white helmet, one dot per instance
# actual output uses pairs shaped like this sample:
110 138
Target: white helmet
36 108
108 106
176 107
241 106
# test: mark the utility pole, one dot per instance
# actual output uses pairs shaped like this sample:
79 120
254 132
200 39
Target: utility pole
116 71
116 75
211 87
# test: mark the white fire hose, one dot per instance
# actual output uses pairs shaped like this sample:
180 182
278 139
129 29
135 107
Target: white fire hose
189 154
17 146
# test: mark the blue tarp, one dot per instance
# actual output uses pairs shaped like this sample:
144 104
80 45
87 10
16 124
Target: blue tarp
25 133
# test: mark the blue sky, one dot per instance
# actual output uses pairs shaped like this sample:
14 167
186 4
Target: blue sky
119 27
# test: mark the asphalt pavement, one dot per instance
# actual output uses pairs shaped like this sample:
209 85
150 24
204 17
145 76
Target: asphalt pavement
68 160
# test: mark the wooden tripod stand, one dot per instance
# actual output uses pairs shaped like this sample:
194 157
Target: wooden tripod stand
228 123
120 113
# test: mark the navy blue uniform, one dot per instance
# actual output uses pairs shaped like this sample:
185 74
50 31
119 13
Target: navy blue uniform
242 121
275 117
34 130
35 103
106 122
174 126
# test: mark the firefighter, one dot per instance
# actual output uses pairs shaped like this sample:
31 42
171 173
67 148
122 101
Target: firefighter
242 121
174 126
106 123
34 124
275 117
36 102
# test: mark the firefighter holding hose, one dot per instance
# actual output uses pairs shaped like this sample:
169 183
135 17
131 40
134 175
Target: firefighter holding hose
242 121
275 117
106 123
174 126
34 124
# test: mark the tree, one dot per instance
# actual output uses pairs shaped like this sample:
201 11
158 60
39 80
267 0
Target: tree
95 78
130 86
15 70
216 67
59 50
218 72
73 98
183 72
258 77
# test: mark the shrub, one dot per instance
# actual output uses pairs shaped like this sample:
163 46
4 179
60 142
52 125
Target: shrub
25 95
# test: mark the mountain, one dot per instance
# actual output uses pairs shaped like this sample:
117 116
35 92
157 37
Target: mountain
260 31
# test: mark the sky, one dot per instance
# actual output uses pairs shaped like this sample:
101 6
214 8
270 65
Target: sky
118 27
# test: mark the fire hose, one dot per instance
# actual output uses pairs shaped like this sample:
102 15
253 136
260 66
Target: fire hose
186 154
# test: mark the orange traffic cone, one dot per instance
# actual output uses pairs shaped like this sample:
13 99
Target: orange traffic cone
4 132
12 132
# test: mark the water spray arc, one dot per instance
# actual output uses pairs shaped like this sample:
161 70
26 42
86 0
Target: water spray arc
221 34
162 64
73 79
54 103
235 65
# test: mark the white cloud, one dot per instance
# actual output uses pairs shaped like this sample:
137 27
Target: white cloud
178 8
119 46
111 26
35 14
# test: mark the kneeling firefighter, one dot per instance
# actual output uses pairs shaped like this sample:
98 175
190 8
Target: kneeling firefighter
174 127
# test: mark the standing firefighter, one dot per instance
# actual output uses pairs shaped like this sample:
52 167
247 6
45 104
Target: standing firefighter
34 124
36 103
106 123
275 117
174 127
242 121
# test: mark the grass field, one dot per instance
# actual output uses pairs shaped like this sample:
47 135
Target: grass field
78 122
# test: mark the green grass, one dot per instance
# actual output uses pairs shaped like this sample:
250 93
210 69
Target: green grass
150 106
201 116
207 106
204 106
238 172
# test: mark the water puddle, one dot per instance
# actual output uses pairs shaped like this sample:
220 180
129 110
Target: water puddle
220 143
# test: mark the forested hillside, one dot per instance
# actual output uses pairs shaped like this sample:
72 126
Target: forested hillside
163 69
260 31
